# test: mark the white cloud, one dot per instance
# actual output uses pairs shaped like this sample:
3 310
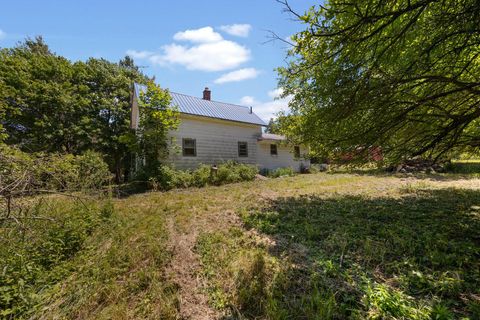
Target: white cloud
248 101
238 75
276 93
202 35
268 109
215 56
209 52
239 30
139 54
3 34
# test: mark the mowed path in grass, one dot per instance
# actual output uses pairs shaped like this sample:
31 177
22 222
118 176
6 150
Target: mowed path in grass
318 246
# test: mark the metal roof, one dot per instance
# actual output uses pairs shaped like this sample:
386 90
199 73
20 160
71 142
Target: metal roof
207 108
273 137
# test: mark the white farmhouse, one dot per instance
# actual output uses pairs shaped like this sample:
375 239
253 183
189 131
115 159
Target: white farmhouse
212 132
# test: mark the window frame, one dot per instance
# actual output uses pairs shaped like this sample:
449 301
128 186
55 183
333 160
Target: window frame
246 149
184 140
273 146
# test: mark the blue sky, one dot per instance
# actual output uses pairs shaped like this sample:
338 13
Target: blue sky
187 45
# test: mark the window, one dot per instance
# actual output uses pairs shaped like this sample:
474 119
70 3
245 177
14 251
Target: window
296 152
189 147
273 150
242 149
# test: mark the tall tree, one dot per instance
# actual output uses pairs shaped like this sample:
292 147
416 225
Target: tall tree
50 104
403 75
157 117
273 126
108 92
40 102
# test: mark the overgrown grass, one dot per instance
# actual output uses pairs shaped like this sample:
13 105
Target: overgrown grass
465 167
86 260
319 246
414 254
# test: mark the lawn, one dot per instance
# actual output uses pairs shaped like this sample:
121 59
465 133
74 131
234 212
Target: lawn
318 246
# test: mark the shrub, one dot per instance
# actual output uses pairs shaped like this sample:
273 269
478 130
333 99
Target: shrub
201 176
93 171
229 172
69 172
17 170
53 171
34 255
280 172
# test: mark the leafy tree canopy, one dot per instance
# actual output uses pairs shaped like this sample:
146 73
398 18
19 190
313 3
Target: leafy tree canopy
402 75
50 104
157 117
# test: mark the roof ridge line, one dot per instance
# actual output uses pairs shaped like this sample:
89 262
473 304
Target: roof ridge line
232 104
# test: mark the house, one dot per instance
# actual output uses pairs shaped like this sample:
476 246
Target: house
212 132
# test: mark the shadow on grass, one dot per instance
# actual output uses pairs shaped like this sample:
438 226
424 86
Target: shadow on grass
416 257
459 170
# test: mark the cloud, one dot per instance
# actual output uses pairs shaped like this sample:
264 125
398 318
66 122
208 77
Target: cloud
248 101
202 35
239 30
3 34
139 54
208 52
268 109
276 93
215 56
238 75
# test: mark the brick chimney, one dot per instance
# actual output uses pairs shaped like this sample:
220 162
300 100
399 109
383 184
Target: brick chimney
207 94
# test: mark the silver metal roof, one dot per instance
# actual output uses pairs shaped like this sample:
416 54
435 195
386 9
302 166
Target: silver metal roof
212 109
273 137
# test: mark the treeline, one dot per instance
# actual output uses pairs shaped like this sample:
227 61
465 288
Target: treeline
53 105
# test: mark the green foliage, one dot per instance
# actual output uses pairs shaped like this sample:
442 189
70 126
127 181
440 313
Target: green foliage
237 272
229 172
49 104
279 172
386 303
157 117
23 172
15 166
410 258
273 126
33 254
68 172
402 75
463 167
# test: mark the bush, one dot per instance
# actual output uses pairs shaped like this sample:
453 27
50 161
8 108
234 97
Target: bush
34 255
52 171
17 170
231 172
280 172
201 176
228 172
93 171
69 172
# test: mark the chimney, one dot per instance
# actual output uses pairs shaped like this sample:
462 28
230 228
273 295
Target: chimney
207 94
251 110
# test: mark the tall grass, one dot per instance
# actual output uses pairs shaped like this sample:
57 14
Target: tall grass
338 257
88 259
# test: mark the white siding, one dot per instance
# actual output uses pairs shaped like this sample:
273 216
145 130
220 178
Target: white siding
216 141
284 158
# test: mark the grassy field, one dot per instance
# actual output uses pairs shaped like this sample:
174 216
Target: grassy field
319 246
